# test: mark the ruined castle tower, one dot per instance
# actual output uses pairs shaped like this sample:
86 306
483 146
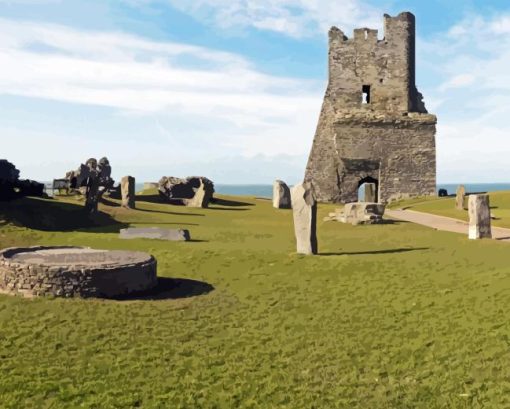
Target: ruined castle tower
373 126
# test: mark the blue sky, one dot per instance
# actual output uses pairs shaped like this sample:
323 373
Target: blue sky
231 89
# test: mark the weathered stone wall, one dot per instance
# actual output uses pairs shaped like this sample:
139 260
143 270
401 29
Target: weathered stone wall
390 139
72 281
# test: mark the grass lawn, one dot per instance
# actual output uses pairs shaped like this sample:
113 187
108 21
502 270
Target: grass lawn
445 206
388 316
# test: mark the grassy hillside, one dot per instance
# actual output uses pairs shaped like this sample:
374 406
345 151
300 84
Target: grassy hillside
445 206
388 316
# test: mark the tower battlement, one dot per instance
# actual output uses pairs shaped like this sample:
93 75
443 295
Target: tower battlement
375 74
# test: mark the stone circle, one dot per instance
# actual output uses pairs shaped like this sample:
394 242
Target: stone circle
75 271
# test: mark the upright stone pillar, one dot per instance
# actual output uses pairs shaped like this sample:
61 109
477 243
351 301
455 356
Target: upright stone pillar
92 193
304 206
479 217
127 189
370 192
281 195
459 199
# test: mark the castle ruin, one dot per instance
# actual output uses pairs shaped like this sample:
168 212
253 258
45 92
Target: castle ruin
373 126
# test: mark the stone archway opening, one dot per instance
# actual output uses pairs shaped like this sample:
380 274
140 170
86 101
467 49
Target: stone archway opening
368 190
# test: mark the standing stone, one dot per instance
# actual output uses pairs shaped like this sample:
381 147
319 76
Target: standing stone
281 195
459 200
479 217
304 208
201 198
127 188
370 193
91 192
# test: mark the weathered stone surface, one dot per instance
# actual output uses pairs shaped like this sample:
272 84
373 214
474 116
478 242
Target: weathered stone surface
150 185
155 233
479 217
370 193
92 193
359 213
281 195
12 187
304 210
92 168
390 137
127 190
459 199
105 172
91 179
194 191
75 271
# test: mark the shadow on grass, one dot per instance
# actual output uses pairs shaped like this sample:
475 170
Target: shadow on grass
149 198
107 202
172 213
393 221
229 203
52 215
171 289
172 223
230 209
389 251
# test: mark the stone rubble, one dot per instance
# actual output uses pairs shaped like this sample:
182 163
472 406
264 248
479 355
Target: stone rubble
193 191
359 213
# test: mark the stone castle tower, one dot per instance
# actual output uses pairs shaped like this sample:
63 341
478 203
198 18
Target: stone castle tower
373 126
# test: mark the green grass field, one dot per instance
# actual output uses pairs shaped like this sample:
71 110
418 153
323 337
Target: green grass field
445 206
387 316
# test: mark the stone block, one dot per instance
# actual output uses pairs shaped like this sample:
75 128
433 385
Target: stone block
479 217
281 195
459 198
127 189
304 210
370 193
359 213
155 233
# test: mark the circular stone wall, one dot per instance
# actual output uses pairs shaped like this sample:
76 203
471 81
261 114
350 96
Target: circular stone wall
75 271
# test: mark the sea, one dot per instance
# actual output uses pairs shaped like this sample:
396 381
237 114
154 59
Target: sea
266 190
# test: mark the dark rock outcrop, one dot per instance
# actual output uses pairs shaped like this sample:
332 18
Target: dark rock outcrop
193 191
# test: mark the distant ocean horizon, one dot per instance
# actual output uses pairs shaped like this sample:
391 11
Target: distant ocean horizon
266 190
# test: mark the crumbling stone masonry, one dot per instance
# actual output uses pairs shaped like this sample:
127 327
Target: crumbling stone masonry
373 126
75 272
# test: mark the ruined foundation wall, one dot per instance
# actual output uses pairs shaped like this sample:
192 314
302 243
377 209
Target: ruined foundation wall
72 281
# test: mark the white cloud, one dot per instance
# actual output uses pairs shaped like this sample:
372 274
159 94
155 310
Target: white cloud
470 64
458 81
218 102
296 18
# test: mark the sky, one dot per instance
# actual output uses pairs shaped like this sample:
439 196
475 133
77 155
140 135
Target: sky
231 89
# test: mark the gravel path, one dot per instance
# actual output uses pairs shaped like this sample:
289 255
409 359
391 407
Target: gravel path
443 223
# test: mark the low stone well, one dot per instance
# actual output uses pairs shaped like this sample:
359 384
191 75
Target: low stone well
75 271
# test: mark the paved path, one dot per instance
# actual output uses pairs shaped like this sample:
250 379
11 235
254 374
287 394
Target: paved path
443 223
